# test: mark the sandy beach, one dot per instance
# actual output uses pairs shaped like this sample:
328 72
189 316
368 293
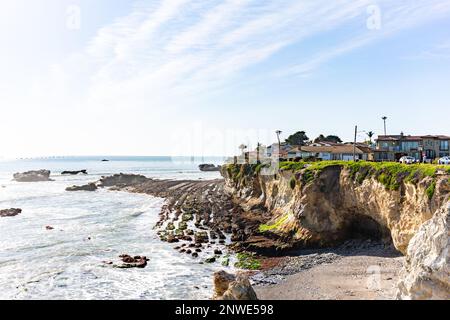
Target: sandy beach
358 274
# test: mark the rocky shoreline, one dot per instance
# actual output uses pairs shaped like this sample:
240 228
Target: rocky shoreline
199 218
205 218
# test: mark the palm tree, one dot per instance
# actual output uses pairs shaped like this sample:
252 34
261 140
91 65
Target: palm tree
242 147
384 120
370 134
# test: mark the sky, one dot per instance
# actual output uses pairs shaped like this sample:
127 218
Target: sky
196 77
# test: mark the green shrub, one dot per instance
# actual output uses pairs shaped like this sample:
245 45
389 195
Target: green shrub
247 261
264 227
431 189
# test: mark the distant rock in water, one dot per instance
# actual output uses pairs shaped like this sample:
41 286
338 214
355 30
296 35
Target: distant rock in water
209 167
74 173
10 212
132 262
87 187
33 176
230 287
122 179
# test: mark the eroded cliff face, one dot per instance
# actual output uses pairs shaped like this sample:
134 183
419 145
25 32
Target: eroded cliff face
426 274
336 204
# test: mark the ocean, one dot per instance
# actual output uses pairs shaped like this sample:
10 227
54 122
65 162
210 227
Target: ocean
90 228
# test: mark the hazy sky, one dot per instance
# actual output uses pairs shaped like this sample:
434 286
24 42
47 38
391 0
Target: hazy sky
180 77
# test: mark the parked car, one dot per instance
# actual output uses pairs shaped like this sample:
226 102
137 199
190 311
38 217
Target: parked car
444 160
407 160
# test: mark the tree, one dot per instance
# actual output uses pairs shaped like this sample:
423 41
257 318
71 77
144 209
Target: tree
370 134
297 139
330 138
320 138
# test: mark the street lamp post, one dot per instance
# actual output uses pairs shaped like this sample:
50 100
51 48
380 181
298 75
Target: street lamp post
354 144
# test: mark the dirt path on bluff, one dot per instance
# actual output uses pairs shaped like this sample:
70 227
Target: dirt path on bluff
363 274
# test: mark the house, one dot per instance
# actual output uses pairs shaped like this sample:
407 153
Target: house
337 152
273 149
393 147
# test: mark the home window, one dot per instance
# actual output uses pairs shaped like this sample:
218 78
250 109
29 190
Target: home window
443 146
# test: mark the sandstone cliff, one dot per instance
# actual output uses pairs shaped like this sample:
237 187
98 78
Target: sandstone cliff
325 203
426 274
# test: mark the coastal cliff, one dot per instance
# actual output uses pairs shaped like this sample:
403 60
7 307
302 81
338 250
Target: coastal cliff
324 203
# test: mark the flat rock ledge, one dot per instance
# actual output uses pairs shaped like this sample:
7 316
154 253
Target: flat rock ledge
88 187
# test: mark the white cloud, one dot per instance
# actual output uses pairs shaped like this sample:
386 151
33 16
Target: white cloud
172 47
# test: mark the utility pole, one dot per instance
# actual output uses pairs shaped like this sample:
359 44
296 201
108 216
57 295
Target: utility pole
258 148
354 144
278 132
384 120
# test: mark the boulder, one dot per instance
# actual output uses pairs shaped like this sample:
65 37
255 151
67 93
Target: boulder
132 262
32 176
231 287
87 187
201 237
74 173
426 274
10 212
210 260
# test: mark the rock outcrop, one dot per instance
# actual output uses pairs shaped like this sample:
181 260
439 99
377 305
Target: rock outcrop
121 179
323 207
426 274
209 167
33 176
231 287
10 212
74 173
88 187
132 262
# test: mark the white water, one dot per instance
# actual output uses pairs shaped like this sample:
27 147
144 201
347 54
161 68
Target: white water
63 263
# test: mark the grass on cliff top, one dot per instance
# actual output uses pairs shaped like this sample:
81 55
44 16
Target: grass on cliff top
390 174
